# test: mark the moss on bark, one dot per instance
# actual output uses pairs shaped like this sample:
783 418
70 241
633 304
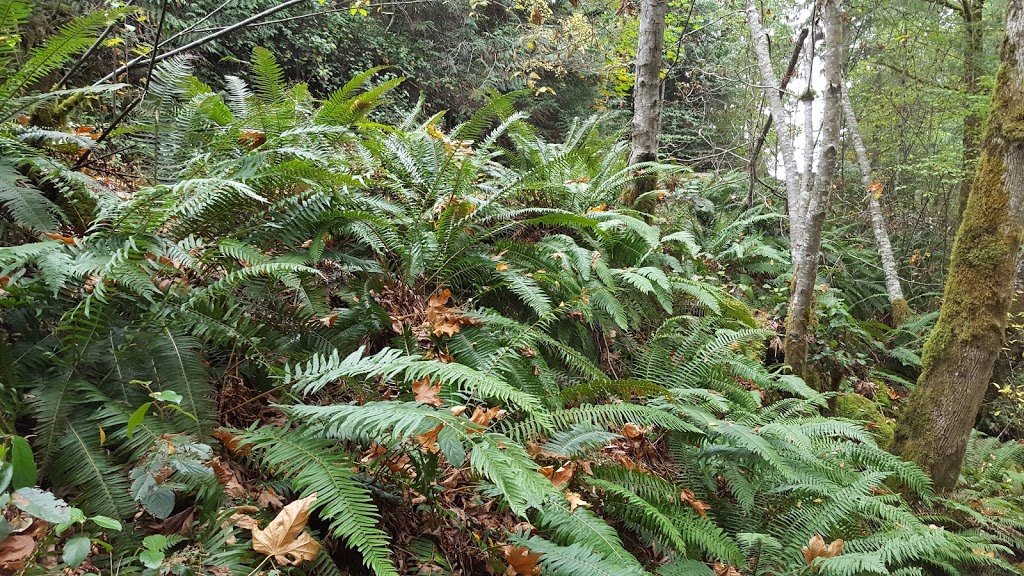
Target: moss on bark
960 353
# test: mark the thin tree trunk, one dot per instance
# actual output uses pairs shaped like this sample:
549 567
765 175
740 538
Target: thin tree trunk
781 117
936 421
805 267
759 143
898 303
974 46
647 95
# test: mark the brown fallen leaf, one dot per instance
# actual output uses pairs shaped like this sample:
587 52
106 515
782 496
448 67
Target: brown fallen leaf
575 501
561 476
484 417
522 561
699 506
230 441
816 548
632 431
284 539
426 393
15 550
428 440
269 499
726 570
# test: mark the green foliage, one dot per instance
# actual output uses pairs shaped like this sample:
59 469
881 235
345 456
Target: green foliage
425 322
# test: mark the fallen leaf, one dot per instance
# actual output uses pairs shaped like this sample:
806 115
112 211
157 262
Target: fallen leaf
562 476
428 440
816 548
231 442
427 393
484 417
875 188
632 431
440 299
699 506
252 138
575 500
15 551
60 238
269 499
522 561
447 328
501 267
726 570
284 539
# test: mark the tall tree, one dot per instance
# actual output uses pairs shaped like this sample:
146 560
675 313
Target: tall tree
971 12
807 201
898 304
936 422
647 95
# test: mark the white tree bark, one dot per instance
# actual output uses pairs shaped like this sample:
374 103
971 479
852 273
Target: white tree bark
892 279
781 117
805 266
647 93
807 101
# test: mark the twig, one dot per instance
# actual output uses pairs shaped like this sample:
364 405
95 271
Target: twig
84 57
135 62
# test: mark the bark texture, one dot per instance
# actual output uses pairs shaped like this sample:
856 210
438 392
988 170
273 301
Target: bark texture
897 301
812 214
958 359
782 121
974 46
647 95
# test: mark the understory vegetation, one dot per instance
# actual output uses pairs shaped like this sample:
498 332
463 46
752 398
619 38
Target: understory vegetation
341 333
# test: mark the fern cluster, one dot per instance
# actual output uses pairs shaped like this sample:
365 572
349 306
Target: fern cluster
412 308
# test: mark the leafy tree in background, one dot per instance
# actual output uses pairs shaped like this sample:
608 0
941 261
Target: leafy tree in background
958 359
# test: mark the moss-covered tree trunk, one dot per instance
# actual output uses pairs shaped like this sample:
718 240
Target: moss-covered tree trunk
937 418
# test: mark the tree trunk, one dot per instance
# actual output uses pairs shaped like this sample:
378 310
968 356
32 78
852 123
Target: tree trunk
974 46
900 310
936 421
781 118
805 267
647 96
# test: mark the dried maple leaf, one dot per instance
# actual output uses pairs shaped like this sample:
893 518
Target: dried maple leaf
484 417
563 475
876 188
284 539
726 570
427 393
446 328
269 499
522 561
231 442
632 431
428 440
575 500
700 507
816 548
440 299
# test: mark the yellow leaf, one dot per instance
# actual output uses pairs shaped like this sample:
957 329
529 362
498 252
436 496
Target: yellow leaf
284 539
501 267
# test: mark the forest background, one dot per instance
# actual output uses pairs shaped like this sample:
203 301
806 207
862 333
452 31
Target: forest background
564 287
